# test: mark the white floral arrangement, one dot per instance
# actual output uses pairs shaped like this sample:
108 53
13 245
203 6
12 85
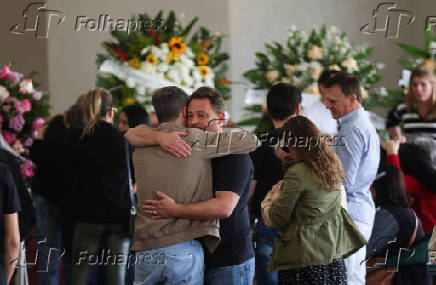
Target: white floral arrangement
302 58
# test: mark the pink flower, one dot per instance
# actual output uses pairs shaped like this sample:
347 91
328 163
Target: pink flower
4 73
18 147
9 137
17 123
37 95
1 121
13 76
28 142
23 106
26 87
27 169
38 123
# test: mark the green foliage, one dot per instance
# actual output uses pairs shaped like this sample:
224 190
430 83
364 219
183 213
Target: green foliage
405 64
417 56
414 51
386 99
254 108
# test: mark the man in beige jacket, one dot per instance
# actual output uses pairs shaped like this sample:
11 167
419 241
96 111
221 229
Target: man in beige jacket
169 250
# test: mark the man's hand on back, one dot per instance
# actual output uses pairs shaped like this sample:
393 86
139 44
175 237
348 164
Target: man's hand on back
164 208
143 136
174 144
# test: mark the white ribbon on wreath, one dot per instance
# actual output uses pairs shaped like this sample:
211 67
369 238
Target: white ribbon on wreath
137 79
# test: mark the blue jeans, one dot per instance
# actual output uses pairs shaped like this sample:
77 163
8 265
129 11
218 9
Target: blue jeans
264 244
181 263
241 274
54 234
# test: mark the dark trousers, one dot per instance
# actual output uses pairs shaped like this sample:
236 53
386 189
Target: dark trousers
113 240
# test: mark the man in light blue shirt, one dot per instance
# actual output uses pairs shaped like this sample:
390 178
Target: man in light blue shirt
360 157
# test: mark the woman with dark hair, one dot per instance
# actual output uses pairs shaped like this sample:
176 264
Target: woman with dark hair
395 225
132 116
414 161
51 189
314 232
102 191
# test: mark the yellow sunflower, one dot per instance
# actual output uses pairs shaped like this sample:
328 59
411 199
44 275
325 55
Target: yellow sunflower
172 56
128 101
134 63
176 45
202 59
151 58
204 71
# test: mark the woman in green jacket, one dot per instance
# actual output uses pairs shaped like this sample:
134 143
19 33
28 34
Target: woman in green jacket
314 232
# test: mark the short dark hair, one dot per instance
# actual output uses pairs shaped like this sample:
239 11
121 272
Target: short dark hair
136 115
325 75
74 117
349 84
282 101
389 186
56 133
168 102
214 96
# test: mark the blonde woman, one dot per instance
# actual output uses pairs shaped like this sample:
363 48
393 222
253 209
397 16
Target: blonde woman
417 114
314 232
102 192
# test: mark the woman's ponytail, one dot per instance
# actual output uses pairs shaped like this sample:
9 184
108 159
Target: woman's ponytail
96 103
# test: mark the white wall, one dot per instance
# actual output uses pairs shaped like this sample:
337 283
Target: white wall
26 53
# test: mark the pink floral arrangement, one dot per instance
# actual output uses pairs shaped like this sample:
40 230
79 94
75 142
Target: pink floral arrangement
22 111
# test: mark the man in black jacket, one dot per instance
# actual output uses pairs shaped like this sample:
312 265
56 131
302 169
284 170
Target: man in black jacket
283 102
